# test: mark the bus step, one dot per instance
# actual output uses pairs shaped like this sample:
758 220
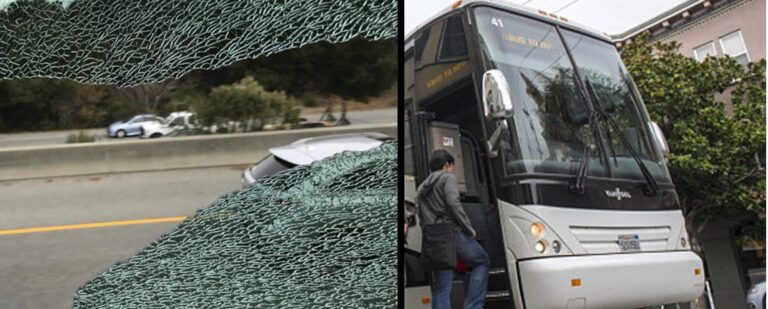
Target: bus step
496 294
498 279
497 271
498 300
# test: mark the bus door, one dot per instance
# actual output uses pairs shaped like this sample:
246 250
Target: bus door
471 173
444 112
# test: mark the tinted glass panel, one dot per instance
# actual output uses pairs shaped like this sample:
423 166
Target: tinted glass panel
454 45
269 166
408 147
549 131
420 44
177 121
608 80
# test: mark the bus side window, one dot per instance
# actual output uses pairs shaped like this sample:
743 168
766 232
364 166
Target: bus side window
418 46
408 145
453 44
427 43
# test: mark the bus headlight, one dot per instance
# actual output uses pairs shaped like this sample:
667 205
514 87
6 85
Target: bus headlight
556 246
541 246
537 229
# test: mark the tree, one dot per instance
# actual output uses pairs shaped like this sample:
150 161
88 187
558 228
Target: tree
149 96
246 100
45 104
357 70
717 156
83 108
320 73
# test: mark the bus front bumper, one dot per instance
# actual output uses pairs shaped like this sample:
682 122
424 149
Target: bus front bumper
630 280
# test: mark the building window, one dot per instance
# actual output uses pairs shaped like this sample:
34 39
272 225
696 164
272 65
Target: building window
733 45
703 51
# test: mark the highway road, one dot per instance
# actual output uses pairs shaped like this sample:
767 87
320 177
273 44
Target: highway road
49 245
388 115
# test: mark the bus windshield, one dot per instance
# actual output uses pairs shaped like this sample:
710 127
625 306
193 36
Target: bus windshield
549 130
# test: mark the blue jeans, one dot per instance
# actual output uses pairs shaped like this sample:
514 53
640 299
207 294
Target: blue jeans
475 257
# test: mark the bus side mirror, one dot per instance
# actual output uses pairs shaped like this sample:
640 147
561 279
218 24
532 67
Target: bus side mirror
497 104
660 139
496 99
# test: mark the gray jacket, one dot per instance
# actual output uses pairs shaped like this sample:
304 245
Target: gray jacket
438 201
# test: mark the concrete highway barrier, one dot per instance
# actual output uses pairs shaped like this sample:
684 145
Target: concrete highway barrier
158 154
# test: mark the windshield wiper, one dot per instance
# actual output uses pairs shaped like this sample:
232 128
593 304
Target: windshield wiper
581 177
654 187
593 117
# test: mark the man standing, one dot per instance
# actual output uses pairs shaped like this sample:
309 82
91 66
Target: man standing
438 197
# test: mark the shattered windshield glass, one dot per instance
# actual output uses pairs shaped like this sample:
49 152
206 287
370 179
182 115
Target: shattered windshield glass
128 43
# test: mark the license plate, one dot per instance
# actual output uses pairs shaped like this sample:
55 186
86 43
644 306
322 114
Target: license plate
629 243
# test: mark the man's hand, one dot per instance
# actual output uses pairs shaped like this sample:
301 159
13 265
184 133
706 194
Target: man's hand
474 234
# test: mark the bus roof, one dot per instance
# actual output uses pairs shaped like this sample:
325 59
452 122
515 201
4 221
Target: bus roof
513 7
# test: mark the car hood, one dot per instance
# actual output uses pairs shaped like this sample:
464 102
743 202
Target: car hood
116 123
306 153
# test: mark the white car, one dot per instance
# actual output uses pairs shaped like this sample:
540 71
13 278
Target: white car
756 296
308 150
171 123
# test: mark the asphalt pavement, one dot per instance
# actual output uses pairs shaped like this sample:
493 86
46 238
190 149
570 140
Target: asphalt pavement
49 245
388 115
58 233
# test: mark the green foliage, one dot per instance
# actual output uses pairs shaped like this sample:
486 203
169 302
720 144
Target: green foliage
46 104
80 137
357 69
246 100
717 148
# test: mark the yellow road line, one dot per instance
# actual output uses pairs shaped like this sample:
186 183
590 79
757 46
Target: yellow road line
88 225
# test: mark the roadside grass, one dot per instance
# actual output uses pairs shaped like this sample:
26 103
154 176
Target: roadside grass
80 137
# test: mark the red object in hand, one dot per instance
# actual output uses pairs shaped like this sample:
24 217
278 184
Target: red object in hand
461 267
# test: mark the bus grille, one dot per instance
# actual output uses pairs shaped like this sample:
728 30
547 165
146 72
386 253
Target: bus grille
604 239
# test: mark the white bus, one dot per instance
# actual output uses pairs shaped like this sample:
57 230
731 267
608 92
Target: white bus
561 170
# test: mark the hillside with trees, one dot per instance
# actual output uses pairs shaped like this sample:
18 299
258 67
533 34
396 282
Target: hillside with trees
315 75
